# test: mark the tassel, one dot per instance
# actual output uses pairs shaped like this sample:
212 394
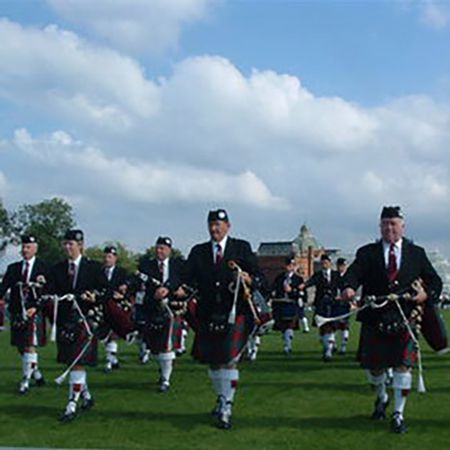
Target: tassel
421 385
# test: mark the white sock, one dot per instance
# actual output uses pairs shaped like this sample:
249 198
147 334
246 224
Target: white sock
305 324
328 344
184 334
166 365
344 341
36 373
111 352
27 361
214 375
288 336
229 380
77 381
85 393
402 385
379 382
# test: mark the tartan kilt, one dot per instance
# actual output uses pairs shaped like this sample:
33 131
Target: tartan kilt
31 334
166 339
222 348
343 324
380 351
69 350
118 320
285 317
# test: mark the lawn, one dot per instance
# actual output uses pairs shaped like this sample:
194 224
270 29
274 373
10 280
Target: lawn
284 403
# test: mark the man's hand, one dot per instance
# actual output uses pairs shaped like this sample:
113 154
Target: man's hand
246 278
117 295
161 292
31 312
180 293
348 294
288 288
88 296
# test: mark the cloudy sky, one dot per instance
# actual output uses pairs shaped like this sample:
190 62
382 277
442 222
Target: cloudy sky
144 114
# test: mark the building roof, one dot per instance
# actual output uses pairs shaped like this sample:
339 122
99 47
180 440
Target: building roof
280 248
306 240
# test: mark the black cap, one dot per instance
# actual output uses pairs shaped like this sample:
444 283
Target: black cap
110 249
325 257
74 235
289 260
218 214
391 212
341 261
164 240
28 239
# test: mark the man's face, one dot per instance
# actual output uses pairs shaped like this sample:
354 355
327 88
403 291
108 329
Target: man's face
73 249
392 230
218 229
326 264
342 268
109 260
163 252
290 267
29 250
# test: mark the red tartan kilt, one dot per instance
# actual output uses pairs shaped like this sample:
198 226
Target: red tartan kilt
167 339
342 325
120 321
328 328
33 335
222 348
68 351
379 351
433 328
191 314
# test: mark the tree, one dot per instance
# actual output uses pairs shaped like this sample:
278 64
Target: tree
5 228
48 221
126 257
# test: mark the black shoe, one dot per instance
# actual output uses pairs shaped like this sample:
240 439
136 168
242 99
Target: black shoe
116 365
66 417
326 358
87 404
398 424
379 412
40 382
224 418
164 387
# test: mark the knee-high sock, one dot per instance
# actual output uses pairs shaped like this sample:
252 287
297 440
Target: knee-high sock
166 365
184 334
111 352
344 341
288 336
214 375
379 383
328 343
305 323
27 365
77 382
229 380
401 385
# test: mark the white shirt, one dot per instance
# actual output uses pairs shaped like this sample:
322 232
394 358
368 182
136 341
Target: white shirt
397 250
222 244
77 266
165 269
30 267
109 272
327 274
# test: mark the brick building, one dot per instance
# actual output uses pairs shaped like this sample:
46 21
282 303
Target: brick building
306 249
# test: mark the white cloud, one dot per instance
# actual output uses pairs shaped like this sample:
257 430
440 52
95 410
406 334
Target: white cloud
436 14
139 181
65 74
135 25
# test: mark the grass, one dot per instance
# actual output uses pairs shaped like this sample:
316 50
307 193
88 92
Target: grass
295 403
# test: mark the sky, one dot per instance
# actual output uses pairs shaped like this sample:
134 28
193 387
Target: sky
145 114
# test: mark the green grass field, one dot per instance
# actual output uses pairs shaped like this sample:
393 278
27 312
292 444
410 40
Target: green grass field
295 403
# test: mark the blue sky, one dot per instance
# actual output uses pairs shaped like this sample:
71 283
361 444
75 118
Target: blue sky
281 111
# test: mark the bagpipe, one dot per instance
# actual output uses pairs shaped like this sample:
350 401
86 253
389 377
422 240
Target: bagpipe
30 296
171 307
285 307
258 306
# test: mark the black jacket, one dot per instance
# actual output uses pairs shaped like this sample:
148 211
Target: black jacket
12 276
369 271
213 283
324 288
